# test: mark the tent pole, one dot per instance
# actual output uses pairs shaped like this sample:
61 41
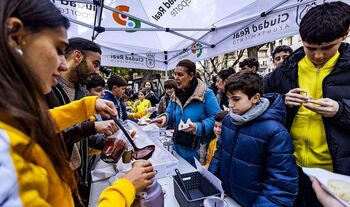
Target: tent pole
98 17
156 29
166 64
81 23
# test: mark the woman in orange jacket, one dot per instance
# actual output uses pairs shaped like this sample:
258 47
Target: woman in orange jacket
33 158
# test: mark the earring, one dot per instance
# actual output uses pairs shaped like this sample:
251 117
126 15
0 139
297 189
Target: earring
19 51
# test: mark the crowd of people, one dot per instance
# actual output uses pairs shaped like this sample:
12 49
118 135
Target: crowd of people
255 134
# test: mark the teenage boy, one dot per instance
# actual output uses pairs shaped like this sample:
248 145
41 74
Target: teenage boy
254 157
315 81
280 54
117 85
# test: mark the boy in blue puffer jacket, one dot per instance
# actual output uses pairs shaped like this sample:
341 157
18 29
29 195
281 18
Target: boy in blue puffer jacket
254 157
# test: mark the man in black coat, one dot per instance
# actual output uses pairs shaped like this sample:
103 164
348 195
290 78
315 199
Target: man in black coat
315 80
83 60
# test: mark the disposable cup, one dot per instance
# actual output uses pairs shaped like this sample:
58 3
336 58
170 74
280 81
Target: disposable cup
214 202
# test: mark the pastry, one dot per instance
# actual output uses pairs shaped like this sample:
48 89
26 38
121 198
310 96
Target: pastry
341 189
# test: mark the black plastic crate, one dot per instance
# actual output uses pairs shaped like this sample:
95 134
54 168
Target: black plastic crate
198 187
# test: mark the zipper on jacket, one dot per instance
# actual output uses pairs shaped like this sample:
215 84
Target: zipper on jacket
318 71
306 138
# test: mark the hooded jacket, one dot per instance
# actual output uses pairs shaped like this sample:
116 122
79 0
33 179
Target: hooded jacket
255 161
335 86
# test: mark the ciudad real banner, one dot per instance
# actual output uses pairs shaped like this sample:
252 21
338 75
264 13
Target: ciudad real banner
234 24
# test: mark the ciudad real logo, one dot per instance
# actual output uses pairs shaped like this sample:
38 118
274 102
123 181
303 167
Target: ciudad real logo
197 49
125 20
150 61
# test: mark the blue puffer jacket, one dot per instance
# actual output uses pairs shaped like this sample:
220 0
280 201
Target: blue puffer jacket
201 106
255 160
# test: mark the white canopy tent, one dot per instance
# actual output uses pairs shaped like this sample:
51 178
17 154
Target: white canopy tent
156 34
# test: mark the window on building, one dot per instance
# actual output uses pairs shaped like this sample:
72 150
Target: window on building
262 53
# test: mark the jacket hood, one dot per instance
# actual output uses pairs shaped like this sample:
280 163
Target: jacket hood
276 111
290 65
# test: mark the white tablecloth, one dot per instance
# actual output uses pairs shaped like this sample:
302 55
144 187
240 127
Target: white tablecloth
168 185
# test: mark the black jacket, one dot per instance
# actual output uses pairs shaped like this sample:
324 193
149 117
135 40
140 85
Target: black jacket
79 131
335 86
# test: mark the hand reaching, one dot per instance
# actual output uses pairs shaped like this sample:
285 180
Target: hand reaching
106 127
160 121
105 108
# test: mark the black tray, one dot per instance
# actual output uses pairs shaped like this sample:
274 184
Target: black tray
198 187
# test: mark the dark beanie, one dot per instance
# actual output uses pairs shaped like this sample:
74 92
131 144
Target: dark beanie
189 65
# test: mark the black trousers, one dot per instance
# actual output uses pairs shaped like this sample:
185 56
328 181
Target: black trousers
306 195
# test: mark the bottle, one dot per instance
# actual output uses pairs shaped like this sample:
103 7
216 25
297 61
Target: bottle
152 196
127 155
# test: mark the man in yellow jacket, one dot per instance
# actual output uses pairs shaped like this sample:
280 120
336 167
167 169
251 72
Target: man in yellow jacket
315 81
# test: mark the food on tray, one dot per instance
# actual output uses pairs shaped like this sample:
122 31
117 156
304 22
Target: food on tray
341 189
132 133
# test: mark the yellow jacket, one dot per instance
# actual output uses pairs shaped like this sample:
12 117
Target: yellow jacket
308 132
211 151
31 180
139 109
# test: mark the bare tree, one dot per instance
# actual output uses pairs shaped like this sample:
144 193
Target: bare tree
253 51
239 56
